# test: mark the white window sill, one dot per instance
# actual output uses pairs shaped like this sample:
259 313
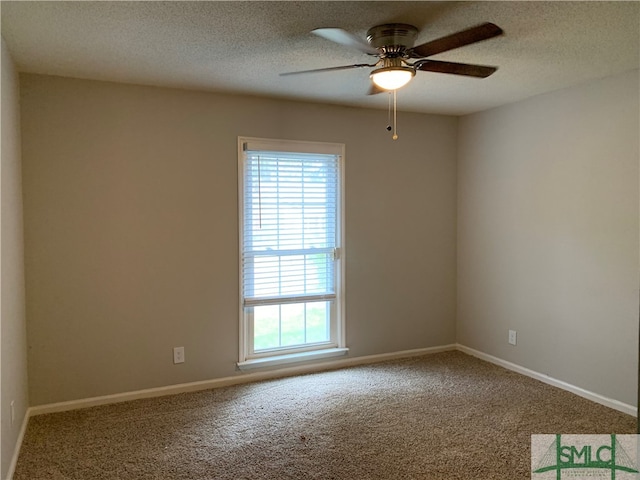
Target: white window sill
291 358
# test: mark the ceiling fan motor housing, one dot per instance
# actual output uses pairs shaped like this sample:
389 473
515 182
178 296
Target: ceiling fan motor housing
393 39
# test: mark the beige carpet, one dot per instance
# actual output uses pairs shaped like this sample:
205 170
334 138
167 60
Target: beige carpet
443 416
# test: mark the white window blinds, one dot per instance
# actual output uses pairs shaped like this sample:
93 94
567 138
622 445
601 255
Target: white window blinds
289 227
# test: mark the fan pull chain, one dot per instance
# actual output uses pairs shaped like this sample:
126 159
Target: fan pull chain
389 112
395 116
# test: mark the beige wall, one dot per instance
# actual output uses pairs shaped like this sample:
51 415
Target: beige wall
548 234
13 341
131 230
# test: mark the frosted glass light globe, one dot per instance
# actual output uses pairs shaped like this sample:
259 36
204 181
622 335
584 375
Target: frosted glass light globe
392 78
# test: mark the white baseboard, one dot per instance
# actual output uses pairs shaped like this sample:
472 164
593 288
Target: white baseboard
322 366
594 397
16 450
233 380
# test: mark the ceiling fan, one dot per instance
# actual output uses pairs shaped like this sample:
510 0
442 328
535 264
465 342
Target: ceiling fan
393 43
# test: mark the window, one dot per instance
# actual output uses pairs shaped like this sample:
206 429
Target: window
291 251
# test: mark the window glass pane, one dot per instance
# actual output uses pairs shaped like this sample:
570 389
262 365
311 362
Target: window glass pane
266 327
291 324
317 325
292 318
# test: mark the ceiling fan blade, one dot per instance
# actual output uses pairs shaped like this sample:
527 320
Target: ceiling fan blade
455 40
343 37
329 69
479 71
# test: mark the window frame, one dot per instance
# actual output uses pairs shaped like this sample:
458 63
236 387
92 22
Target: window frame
337 344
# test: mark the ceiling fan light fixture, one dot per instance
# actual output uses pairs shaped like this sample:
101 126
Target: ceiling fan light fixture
392 78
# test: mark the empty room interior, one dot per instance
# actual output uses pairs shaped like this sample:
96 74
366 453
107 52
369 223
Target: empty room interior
462 251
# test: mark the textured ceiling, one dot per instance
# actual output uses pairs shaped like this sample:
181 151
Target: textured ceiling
243 46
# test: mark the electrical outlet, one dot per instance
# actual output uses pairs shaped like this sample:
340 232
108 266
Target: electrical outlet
512 337
178 355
